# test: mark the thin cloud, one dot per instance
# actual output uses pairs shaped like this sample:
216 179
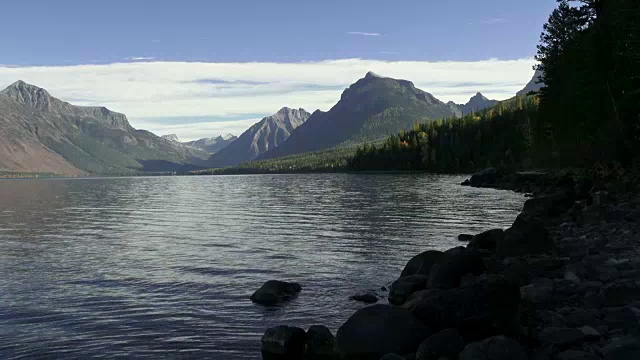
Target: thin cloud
156 41
364 33
140 58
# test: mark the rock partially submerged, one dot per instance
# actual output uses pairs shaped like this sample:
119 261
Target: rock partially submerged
402 288
320 343
283 343
274 292
421 264
367 297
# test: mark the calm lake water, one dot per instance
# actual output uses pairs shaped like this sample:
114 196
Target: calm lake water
164 266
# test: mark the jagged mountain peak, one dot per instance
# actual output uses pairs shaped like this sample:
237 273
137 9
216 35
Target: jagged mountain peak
28 94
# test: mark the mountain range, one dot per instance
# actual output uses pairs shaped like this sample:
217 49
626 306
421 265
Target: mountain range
266 135
213 144
370 110
39 133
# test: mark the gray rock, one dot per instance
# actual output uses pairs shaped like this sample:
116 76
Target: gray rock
576 355
392 356
377 330
465 237
484 177
494 348
539 292
419 295
402 288
449 269
367 297
283 343
623 349
620 317
572 277
477 310
421 264
590 333
274 292
550 205
561 337
320 343
447 343
581 317
487 240
526 236
621 293
550 318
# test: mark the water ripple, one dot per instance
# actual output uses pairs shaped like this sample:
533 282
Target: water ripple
164 266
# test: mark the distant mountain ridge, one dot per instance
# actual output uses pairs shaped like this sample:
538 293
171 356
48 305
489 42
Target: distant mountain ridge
267 134
371 109
171 137
213 144
42 134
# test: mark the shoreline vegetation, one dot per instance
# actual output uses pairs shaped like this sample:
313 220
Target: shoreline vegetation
563 282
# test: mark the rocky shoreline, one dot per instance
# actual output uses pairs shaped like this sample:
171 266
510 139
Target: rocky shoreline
563 282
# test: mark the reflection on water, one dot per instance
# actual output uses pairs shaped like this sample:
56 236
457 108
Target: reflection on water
164 266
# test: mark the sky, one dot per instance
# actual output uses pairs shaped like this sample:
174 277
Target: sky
199 68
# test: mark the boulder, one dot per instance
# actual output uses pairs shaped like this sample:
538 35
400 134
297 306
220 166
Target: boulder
577 355
447 344
402 288
623 349
539 292
487 240
454 263
526 236
377 330
561 337
465 237
417 296
484 177
392 356
550 205
367 297
494 348
477 311
421 264
590 334
274 292
283 343
319 343
620 293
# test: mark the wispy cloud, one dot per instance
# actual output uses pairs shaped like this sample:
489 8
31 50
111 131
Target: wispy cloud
237 82
364 33
155 41
140 58
149 90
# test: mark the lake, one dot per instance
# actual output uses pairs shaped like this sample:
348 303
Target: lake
164 266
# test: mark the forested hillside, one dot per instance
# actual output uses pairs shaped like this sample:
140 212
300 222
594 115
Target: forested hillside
588 110
500 136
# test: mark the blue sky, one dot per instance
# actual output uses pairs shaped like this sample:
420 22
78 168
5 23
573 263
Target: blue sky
70 36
